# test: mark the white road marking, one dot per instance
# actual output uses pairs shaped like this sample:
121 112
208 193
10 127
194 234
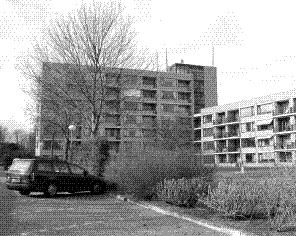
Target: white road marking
204 224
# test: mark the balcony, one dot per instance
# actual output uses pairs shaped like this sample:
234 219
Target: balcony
220 121
220 135
233 148
233 133
232 119
286 128
184 85
285 146
149 83
284 110
221 149
149 97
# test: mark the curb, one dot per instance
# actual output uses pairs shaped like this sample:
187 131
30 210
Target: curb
229 231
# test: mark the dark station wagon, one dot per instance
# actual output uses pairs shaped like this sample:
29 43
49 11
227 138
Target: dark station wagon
50 176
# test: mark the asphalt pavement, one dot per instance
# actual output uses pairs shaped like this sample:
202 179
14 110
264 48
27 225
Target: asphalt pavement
86 214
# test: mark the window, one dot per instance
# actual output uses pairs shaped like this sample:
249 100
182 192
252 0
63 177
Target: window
76 170
207 119
248 142
250 157
247 111
45 166
183 109
264 108
150 107
130 132
168 95
247 127
131 119
131 106
168 83
114 119
208 146
61 167
168 107
56 145
131 80
149 81
184 84
207 132
266 157
264 142
264 127
112 132
131 93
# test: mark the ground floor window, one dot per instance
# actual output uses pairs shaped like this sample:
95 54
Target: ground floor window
285 156
222 158
250 157
266 157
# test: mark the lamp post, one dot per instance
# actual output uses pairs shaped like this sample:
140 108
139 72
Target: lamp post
71 128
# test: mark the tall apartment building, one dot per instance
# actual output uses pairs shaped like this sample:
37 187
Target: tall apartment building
151 98
257 132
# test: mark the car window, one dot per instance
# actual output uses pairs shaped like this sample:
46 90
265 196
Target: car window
44 166
76 170
61 167
21 166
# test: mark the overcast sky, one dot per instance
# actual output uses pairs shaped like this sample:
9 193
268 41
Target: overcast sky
254 43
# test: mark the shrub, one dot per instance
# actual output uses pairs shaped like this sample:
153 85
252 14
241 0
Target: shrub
139 174
183 192
271 198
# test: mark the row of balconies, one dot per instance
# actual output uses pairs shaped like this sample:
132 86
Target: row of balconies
225 120
226 134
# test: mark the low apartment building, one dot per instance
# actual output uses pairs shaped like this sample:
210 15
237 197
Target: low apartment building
256 132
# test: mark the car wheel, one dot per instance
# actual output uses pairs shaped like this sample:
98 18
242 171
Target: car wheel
51 190
25 192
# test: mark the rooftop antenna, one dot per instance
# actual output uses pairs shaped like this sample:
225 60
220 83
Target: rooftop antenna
166 59
212 55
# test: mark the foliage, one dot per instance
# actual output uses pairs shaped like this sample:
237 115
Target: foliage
139 174
242 197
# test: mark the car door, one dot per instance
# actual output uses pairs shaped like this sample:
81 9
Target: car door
63 175
42 174
78 178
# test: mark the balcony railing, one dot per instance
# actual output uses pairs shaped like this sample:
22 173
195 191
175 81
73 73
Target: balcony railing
219 121
232 119
153 98
233 133
280 146
221 149
285 128
220 135
233 148
281 111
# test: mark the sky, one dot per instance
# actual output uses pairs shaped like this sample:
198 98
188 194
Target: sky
253 41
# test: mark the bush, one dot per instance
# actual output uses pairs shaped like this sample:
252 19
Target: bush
139 174
239 198
182 192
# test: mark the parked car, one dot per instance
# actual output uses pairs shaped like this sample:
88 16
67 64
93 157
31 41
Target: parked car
50 176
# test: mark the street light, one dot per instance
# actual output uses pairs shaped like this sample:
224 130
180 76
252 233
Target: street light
71 128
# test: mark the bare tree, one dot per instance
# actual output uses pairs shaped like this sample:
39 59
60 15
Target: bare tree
3 134
81 56
175 134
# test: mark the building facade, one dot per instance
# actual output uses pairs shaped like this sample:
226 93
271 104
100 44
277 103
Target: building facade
151 98
255 132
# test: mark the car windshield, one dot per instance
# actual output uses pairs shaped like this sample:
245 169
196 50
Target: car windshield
21 166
